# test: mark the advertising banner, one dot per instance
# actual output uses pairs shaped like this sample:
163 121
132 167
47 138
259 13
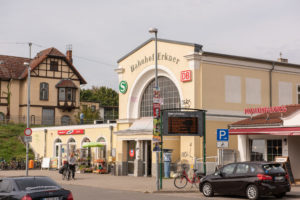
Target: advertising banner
70 132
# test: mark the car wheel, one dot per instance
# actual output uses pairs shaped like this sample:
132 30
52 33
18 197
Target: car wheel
280 195
252 192
207 190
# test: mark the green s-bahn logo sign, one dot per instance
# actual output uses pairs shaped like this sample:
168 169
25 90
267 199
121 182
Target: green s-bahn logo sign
123 86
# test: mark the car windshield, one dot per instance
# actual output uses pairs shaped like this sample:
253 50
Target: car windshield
273 168
36 183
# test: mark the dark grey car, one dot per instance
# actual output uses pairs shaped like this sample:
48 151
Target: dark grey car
32 188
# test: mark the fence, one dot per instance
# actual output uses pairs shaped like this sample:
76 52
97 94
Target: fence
39 121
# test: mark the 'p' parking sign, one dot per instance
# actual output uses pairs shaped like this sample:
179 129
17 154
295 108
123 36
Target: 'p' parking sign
222 135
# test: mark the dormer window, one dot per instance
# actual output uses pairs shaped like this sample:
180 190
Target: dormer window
53 66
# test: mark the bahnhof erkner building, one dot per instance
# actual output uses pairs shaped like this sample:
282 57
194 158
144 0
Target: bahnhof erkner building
189 77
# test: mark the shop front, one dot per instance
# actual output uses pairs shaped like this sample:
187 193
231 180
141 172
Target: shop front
270 135
91 144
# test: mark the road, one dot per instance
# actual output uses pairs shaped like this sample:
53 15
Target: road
96 193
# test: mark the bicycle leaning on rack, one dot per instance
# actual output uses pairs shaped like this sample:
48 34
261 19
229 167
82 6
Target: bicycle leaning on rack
182 179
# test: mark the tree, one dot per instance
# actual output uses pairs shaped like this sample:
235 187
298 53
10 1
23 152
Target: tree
106 96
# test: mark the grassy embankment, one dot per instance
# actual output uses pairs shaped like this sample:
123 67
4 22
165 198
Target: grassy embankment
11 145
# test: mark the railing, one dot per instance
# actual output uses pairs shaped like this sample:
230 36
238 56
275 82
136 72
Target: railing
39 121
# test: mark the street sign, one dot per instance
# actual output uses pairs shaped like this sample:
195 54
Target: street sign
222 144
27 139
27 132
123 86
222 135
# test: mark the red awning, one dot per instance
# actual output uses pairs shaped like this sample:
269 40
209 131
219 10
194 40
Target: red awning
287 131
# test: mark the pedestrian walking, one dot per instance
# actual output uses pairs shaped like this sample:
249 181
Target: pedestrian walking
81 116
72 163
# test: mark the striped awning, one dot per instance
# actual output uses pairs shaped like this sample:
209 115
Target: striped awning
284 131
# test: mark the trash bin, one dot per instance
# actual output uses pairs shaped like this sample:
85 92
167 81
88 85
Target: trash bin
167 164
31 164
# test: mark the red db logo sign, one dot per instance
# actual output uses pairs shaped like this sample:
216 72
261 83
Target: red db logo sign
186 76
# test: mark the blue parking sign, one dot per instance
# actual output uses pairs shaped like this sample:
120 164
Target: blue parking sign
222 135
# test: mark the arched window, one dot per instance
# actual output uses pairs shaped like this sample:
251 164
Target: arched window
57 144
71 145
65 120
101 151
44 91
168 92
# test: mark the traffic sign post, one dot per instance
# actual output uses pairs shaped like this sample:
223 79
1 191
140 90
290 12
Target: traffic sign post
222 142
27 132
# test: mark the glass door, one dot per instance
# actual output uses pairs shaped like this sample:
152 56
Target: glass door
131 156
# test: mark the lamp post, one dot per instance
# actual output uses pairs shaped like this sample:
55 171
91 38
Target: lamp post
28 102
154 30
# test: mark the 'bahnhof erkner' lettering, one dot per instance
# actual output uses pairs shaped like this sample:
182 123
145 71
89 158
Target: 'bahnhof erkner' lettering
160 56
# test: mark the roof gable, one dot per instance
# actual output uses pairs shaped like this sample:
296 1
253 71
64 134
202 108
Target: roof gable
41 56
197 47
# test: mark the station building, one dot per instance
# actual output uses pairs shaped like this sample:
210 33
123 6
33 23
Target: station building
188 77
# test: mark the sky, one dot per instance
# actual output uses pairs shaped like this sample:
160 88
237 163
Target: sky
102 31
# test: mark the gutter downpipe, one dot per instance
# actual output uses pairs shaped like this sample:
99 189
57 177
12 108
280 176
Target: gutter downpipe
273 66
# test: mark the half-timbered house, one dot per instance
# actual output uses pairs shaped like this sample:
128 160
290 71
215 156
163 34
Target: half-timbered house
54 88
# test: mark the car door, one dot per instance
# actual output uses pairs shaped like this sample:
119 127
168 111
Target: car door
5 189
222 181
241 177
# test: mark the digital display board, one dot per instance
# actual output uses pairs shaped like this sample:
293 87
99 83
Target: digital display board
189 123
184 125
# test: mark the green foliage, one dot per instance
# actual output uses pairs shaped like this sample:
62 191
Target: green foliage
106 96
10 142
89 115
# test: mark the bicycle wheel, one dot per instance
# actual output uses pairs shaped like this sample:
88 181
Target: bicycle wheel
180 182
68 174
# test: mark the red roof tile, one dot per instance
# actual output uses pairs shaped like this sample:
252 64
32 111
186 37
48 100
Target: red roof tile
268 118
12 67
65 83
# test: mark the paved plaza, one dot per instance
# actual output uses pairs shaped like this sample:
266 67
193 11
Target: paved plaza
107 181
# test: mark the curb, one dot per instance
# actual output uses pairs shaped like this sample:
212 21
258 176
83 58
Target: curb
174 191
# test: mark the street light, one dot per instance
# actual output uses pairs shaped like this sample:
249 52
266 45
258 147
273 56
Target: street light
154 30
27 64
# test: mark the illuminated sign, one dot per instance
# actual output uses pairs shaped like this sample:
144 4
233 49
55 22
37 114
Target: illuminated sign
71 132
262 110
189 123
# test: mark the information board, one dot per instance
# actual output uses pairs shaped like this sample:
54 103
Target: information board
46 163
189 123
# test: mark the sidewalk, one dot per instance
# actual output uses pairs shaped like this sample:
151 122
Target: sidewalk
107 181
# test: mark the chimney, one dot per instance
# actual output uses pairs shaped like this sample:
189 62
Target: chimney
283 60
69 53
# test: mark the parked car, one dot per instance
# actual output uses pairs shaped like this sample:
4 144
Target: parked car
252 179
32 188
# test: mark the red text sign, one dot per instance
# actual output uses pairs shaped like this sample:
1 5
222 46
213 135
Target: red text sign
70 132
186 76
265 110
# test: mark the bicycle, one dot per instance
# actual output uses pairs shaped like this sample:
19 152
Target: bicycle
66 174
182 180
